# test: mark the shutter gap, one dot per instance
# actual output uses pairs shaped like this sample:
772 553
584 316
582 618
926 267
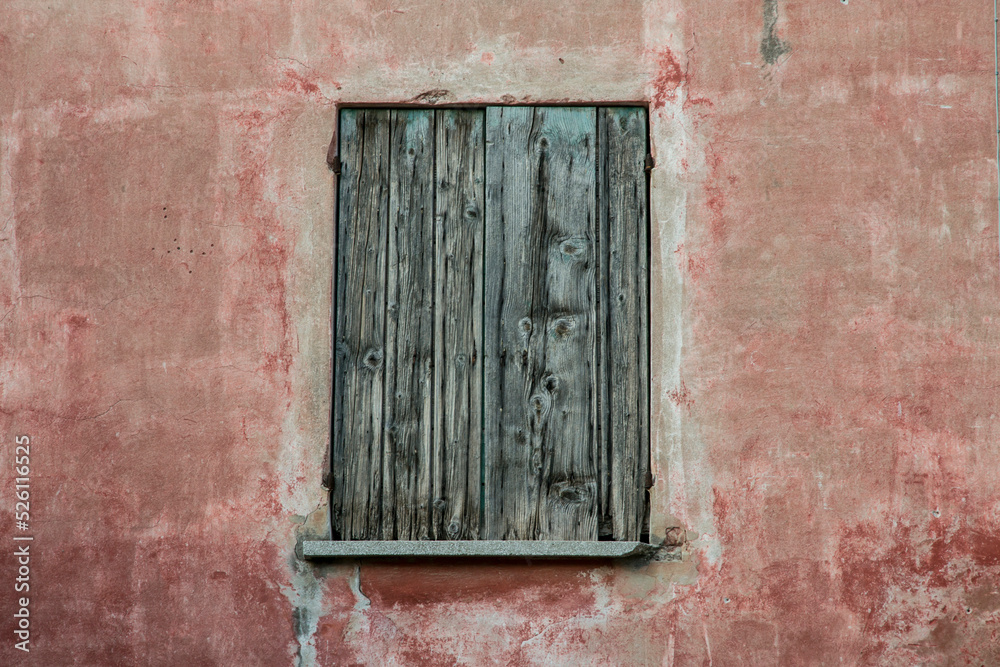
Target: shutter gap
482 342
391 228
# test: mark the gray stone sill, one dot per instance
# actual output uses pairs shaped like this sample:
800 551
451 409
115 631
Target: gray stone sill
474 548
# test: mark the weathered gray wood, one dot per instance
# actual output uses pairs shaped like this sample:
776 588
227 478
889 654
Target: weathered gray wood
409 361
360 323
622 133
458 322
643 331
540 318
605 523
558 362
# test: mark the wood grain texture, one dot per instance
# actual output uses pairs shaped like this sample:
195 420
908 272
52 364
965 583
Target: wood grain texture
407 460
491 370
460 193
622 183
360 323
605 523
539 321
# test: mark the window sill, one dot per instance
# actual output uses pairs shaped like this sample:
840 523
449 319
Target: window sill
474 548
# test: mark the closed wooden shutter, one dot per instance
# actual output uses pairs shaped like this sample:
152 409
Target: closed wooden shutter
491 324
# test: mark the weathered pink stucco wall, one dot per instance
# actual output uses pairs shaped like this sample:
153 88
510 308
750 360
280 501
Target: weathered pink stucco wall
824 295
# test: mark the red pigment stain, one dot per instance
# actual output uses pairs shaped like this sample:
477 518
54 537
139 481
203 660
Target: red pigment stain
75 322
266 498
721 508
697 265
715 202
908 563
270 253
272 258
487 58
694 263
560 586
296 83
681 397
715 198
985 549
668 80
693 102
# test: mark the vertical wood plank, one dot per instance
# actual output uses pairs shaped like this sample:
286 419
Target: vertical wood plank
639 124
409 360
540 318
458 321
511 493
605 523
623 222
360 323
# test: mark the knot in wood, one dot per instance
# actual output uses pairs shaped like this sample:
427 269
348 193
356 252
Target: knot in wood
525 325
573 248
571 493
563 327
536 461
540 405
372 359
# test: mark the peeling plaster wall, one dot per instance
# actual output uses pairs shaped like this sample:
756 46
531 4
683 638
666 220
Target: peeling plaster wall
824 286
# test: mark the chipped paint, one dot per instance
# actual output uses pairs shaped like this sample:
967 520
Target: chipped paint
823 339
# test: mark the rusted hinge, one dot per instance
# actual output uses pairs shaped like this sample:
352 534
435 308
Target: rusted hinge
332 159
650 163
